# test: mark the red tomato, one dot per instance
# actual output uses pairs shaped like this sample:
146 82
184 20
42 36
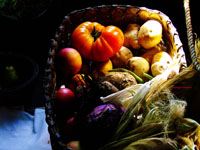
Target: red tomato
68 129
96 42
64 98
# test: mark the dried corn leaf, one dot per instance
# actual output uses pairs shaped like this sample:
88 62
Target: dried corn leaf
185 125
134 135
153 144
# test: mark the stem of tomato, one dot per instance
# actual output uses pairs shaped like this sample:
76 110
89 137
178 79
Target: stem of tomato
95 34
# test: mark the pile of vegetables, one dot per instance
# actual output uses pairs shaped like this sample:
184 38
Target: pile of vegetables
106 76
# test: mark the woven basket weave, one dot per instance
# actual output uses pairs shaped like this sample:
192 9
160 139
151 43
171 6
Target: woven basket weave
119 15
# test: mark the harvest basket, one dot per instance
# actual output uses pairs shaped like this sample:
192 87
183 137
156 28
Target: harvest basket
119 15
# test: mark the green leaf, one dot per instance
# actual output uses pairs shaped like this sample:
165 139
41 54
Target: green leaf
2 3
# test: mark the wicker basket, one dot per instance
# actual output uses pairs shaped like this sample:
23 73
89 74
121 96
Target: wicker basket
119 15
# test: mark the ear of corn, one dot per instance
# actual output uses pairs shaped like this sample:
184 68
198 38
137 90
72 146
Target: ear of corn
156 124
133 109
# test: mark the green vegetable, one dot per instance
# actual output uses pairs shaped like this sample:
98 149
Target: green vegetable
148 76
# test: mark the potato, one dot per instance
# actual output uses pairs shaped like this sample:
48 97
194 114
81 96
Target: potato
148 55
120 59
163 57
131 36
106 88
160 63
158 68
138 65
120 80
150 34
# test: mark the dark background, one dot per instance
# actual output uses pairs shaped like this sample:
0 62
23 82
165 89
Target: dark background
31 36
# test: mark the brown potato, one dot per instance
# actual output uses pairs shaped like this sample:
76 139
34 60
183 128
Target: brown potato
120 80
138 65
120 59
106 88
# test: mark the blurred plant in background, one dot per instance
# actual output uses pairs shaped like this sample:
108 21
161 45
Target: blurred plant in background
23 9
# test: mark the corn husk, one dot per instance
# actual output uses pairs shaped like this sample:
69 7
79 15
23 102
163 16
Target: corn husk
122 97
161 109
134 135
132 109
152 144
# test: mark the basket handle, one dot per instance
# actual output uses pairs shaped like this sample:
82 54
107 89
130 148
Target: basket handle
190 35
